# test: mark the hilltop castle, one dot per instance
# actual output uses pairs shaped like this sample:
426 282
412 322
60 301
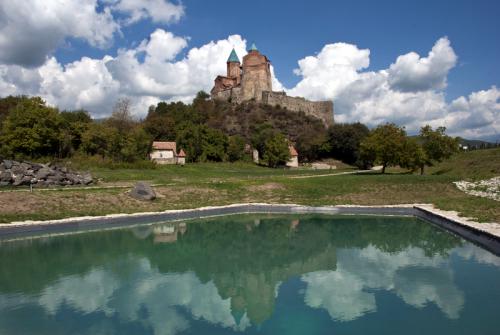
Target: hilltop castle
252 80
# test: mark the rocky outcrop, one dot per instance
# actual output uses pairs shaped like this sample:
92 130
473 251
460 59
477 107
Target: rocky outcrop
143 191
25 173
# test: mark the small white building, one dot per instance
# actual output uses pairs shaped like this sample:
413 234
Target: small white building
166 153
294 157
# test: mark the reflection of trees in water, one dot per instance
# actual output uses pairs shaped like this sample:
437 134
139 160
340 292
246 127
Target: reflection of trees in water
244 257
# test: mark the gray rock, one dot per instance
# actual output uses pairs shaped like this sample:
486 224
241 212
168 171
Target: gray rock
87 179
7 163
17 169
4 183
143 191
26 180
43 173
18 180
25 166
6 176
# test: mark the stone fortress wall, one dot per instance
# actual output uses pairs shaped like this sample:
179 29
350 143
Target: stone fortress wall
322 110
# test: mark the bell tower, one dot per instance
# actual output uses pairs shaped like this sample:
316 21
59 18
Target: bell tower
234 67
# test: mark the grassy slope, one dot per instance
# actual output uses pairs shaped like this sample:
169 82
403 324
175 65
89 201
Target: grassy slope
217 184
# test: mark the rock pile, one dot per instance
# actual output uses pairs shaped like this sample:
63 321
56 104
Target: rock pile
26 173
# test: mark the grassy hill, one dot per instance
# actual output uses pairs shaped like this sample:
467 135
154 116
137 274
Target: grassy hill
471 165
196 185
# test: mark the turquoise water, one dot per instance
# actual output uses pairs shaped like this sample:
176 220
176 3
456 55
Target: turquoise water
251 274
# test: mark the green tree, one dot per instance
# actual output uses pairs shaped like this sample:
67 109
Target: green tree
135 145
261 134
384 145
413 155
95 140
31 129
235 148
202 143
344 140
74 124
436 145
276 151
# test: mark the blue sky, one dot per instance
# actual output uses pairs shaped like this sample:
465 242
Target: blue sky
288 31
47 56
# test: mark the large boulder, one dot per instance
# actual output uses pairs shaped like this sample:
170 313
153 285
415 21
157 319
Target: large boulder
143 191
6 176
87 179
43 173
7 163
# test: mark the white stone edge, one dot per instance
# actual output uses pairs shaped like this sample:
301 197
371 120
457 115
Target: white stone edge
488 228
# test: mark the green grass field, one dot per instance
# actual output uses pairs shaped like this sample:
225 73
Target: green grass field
196 185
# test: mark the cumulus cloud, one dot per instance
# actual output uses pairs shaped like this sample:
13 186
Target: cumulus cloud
30 30
410 92
411 73
159 11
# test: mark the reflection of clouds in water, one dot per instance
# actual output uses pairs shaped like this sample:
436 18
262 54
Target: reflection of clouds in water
471 252
417 287
339 292
149 297
74 290
416 278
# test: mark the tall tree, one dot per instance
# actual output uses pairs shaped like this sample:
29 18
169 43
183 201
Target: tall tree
436 145
31 129
344 140
276 150
385 145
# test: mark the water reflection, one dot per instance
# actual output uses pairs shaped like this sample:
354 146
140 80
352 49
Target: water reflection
227 273
347 293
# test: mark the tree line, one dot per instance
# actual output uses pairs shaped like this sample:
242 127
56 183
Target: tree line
210 130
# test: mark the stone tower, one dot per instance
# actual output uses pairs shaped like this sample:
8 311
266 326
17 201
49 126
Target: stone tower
256 76
234 67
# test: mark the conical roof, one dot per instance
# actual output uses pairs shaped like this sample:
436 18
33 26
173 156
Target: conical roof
253 47
233 57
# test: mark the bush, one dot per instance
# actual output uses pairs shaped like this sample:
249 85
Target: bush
276 151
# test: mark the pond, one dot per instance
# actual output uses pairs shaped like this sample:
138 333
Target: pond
251 274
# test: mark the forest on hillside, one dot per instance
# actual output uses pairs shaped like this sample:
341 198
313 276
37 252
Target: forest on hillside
208 130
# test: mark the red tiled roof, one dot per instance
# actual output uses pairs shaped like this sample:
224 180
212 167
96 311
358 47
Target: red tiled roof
293 152
165 146
181 153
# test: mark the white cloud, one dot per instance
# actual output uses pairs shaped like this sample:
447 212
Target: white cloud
30 30
160 11
330 72
411 73
410 92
